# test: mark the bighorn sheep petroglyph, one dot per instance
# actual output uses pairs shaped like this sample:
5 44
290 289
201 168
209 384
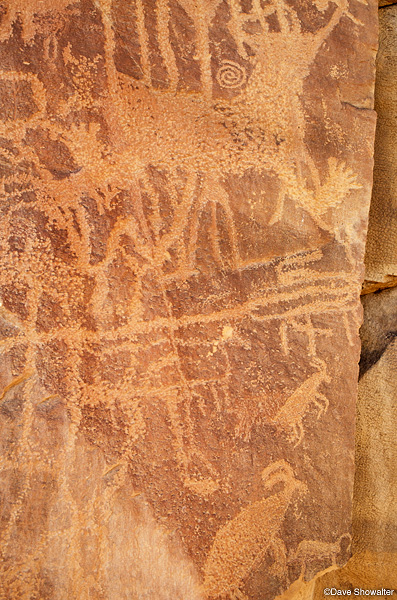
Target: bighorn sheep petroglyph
242 543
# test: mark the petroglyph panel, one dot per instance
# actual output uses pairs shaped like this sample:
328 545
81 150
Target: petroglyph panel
185 189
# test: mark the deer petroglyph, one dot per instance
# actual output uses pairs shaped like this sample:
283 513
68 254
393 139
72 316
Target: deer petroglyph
290 417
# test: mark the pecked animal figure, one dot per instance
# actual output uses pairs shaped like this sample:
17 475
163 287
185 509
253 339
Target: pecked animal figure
261 128
310 551
198 140
242 543
290 416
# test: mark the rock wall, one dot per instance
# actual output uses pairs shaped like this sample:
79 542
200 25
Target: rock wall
184 207
374 560
381 248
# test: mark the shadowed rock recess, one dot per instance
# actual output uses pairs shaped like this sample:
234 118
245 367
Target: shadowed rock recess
185 191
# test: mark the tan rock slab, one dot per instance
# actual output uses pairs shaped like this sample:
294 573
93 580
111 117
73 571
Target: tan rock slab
381 248
373 564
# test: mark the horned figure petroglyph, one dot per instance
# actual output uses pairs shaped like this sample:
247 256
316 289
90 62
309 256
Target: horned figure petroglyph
314 550
263 127
274 117
241 544
290 417
195 141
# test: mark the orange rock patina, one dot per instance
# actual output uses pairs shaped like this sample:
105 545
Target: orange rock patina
184 204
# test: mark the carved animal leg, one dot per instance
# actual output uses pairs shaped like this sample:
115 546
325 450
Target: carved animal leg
197 209
214 236
237 594
303 566
297 433
313 171
223 201
322 407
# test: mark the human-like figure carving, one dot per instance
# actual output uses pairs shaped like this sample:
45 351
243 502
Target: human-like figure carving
161 271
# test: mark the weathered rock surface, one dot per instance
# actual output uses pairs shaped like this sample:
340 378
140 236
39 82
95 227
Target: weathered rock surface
381 248
379 327
376 479
383 3
185 196
374 560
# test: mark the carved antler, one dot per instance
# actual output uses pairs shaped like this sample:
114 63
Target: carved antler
343 5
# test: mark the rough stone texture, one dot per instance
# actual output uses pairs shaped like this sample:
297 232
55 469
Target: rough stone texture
383 3
185 196
375 506
374 560
381 248
376 479
379 328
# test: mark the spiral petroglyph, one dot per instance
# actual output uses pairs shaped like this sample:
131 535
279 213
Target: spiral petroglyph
231 75
182 221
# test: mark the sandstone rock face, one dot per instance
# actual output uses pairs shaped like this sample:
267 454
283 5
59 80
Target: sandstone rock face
381 249
373 564
376 478
374 560
379 327
185 194
383 3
